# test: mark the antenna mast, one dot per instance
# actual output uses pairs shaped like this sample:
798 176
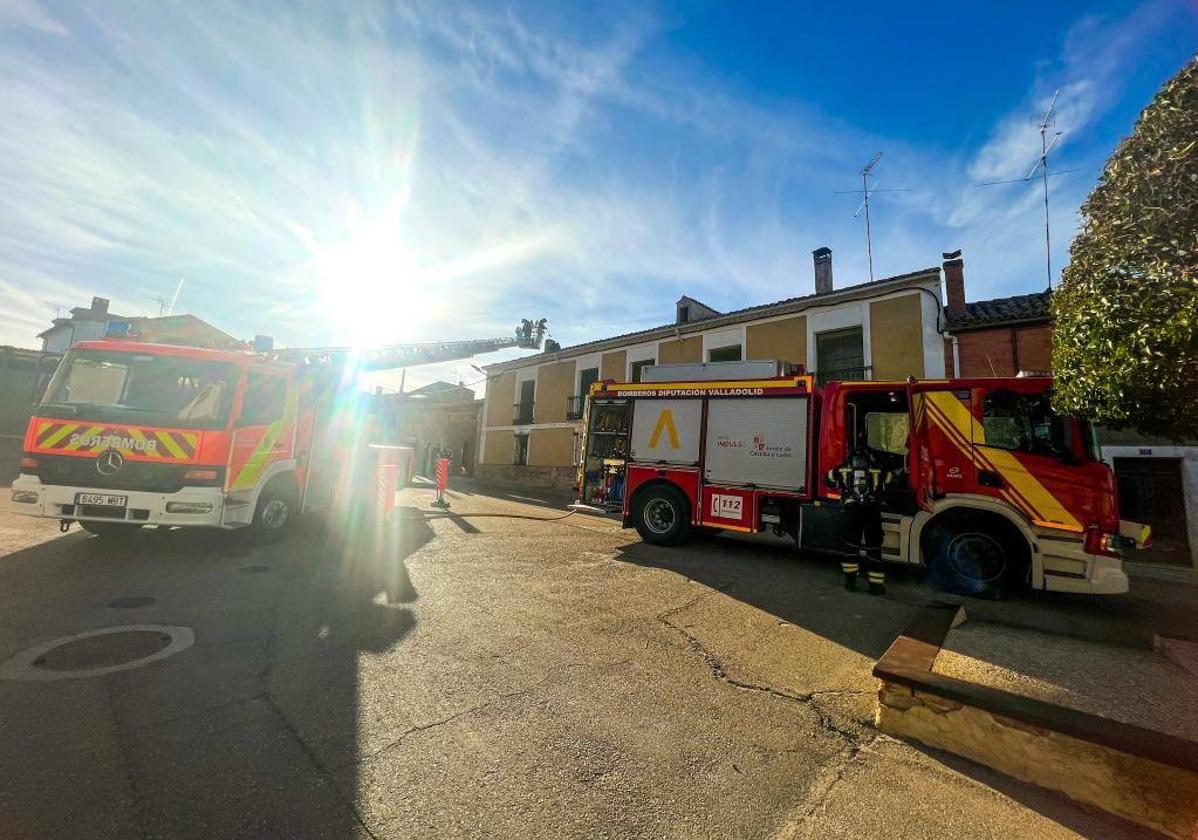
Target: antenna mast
865 192
869 239
1041 168
1043 164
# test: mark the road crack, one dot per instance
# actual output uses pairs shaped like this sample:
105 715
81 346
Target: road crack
720 672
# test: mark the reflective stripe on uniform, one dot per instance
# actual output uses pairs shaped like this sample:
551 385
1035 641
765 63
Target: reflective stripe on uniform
849 568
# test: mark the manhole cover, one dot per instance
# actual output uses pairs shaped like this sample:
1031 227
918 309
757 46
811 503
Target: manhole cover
255 569
98 652
103 651
131 603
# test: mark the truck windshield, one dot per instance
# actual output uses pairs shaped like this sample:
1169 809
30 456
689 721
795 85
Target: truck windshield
122 387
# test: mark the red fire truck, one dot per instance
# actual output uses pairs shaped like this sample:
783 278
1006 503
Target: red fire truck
129 434
991 489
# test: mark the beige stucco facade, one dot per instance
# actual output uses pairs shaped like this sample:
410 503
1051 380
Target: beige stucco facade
551 447
784 338
680 350
501 394
555 382
500 446
612 366
896 333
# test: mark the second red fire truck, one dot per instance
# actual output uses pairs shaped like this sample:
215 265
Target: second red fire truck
989 487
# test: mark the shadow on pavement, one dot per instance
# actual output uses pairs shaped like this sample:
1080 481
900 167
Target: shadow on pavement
805 591
255 731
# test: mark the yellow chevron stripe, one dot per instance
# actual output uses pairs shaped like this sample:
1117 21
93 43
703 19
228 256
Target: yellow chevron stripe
1048 511
260 457
193 442
138 434
1040 505
62 432
167 439
94 430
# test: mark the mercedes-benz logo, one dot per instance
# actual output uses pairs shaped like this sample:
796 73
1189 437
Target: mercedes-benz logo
110 462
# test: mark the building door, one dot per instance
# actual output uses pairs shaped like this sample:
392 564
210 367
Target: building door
1150 491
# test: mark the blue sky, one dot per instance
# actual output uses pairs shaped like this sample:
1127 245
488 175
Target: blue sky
409 171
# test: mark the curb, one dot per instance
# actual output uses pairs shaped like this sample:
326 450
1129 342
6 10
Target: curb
1139 774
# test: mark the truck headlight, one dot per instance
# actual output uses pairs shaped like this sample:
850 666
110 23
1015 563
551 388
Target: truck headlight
188 507
26 497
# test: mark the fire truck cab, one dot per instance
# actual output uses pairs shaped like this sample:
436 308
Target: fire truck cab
988 487
131 434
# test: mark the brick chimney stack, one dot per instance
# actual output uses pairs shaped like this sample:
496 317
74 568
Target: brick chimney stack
822 257
954 282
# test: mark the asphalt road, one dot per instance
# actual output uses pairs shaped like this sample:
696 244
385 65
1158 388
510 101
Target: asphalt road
476 677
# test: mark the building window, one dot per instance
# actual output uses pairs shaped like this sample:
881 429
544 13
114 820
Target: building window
576 403
637 367
520 456
522 412
684 314
724 354
586 379
840 355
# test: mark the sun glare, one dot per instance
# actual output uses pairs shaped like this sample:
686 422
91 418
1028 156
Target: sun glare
372 287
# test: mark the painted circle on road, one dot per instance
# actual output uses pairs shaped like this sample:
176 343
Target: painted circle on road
95 653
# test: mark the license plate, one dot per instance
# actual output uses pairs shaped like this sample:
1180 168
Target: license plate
100 500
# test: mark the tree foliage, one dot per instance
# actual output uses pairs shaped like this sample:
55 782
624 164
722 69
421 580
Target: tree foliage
1125 346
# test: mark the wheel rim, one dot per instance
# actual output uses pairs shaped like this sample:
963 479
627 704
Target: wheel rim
977 557
275 514
660 516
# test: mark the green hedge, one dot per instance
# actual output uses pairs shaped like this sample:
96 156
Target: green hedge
1125 346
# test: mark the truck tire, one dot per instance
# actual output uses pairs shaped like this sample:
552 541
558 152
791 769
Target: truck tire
110 530
982 556
662 515
276 510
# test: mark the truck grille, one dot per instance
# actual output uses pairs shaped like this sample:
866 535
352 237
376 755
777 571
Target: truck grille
134 475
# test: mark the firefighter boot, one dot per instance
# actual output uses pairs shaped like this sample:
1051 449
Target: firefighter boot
850 570
877 582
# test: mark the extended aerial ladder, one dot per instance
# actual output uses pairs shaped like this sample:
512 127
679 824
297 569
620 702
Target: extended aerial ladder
530 335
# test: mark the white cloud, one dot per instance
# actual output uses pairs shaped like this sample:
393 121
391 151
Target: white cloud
30 14
474 166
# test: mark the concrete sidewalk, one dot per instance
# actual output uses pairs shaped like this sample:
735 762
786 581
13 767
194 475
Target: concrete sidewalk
1133 685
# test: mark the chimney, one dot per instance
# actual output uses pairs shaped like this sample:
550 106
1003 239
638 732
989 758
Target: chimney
99 304
822 257
954 282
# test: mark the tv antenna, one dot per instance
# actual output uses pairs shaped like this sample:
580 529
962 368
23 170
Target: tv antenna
166 306
865 192
57 306
1040 167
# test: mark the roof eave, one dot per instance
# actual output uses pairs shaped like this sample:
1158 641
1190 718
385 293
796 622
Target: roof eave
770 310
1000 322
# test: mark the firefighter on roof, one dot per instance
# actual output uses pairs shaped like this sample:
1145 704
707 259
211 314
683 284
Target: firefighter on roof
861 480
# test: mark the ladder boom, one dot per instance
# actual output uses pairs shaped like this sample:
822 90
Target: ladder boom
530 335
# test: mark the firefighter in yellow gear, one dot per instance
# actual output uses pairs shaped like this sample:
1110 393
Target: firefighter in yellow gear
861 481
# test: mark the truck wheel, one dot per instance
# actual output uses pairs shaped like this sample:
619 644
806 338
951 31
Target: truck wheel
110 530
981 556
662 515
276 510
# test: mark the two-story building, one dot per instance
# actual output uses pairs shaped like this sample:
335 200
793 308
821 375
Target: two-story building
888 329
